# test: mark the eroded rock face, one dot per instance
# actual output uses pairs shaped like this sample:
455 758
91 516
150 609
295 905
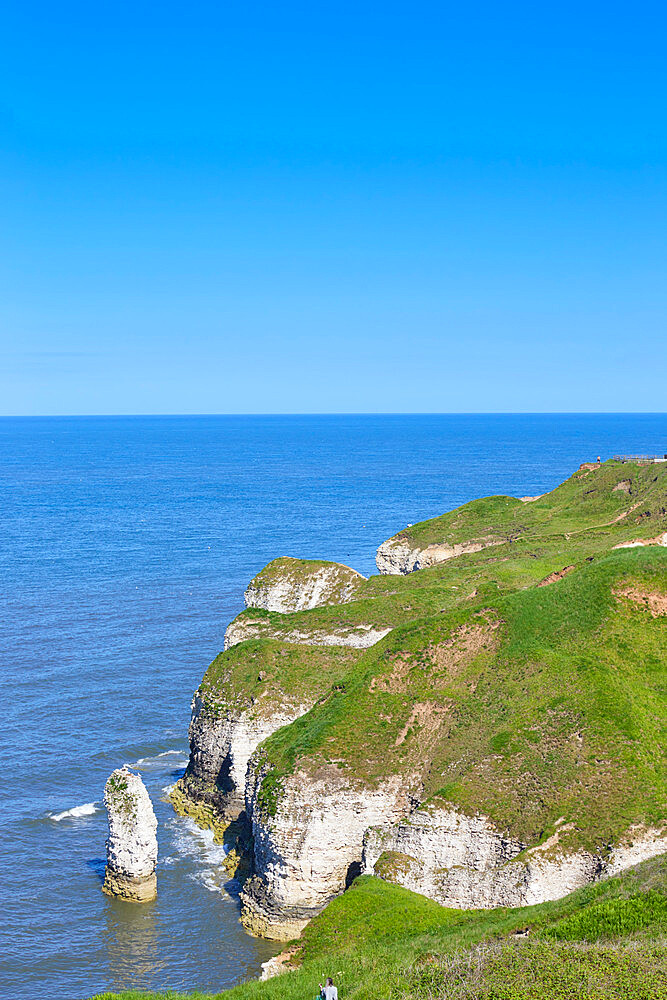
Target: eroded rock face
132 843
356 636
442 839
288 585
640 542
399 555
311 848
220 747
465 862
323 833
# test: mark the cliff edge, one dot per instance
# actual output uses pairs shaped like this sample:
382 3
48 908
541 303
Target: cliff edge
499 740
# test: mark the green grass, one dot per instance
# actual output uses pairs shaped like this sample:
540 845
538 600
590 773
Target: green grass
584 502
380 941
561 714
613 917
537 705
260 674
576 522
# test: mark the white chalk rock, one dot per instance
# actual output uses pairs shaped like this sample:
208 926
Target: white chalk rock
287 585
132 843
246 627
399 556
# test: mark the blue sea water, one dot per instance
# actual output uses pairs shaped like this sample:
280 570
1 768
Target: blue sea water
125 547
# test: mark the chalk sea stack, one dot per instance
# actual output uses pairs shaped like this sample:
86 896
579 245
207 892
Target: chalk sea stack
132 843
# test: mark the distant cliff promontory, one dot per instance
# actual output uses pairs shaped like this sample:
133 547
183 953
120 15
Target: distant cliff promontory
482 723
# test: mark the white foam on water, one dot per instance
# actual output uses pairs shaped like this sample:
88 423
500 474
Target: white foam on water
191 840
208 879
158 759
87 809
197 845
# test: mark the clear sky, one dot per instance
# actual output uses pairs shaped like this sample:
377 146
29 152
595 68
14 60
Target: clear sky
330 207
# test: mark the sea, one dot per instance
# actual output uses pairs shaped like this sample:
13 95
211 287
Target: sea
125 547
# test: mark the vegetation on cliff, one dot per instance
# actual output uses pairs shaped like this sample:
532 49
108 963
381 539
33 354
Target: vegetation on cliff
604 942
540 705
593 511
260 674
594 498
525 682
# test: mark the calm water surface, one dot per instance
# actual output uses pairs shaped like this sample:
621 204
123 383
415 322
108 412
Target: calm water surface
125 547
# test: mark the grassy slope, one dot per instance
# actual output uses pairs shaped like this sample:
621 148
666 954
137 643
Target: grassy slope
577 521
555 709
259 674
582 503
560 713
379 941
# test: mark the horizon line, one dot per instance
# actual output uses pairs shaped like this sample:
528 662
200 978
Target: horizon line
342 413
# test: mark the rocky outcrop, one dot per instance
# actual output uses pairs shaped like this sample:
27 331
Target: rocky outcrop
221 744
400 555
132 843
279 964
465 862
308 847
322 833
287 585
641 542
357 636
449 694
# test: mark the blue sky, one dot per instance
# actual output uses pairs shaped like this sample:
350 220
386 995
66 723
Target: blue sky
332 207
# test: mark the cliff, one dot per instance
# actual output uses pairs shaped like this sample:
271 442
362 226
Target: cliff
605 941
497 743
613 498
246 694
288 585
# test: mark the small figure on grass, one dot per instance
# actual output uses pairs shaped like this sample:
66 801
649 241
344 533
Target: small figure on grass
328 991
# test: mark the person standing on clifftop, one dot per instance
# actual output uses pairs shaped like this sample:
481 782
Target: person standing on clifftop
328 991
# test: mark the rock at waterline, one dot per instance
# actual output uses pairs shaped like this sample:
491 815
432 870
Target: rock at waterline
132 843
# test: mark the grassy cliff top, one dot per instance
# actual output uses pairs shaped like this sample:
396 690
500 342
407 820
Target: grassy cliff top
520 681
580 520
301 570
604 942
603 496
526 706
261 674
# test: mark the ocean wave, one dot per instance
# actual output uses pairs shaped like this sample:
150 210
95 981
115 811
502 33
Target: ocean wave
193 842
158 759
209 879
87 809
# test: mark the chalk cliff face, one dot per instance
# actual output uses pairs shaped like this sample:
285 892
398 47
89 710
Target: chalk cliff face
132 843
288 585
220 748
357 636
310 848
400 555
322 834
481 697
247 694
465 862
